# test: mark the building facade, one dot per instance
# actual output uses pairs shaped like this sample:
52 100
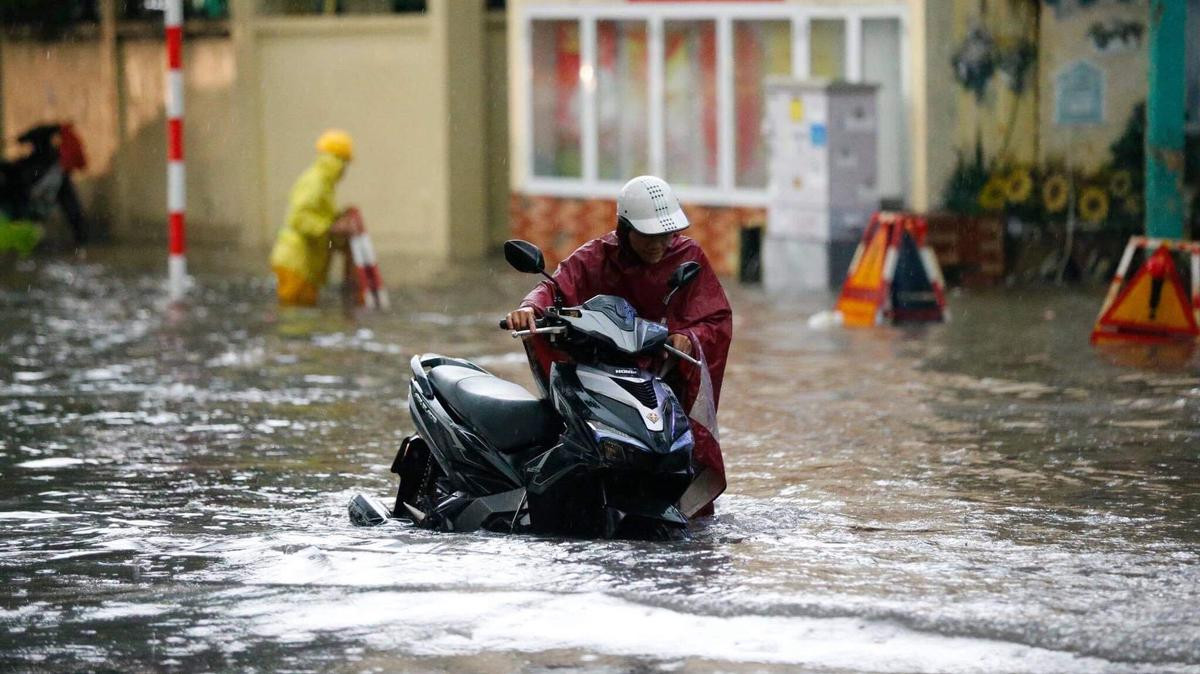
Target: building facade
603 90
422 91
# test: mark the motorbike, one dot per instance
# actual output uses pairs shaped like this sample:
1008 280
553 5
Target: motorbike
33 186
29 186
605 452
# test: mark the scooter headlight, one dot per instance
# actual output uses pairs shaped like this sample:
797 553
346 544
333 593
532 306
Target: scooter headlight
617 449
612 451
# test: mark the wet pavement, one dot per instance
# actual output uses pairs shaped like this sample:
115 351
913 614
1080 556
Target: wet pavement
984 496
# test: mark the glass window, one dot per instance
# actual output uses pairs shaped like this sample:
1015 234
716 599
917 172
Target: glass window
622 100
881 66
827 48
760 48
690 99
556 99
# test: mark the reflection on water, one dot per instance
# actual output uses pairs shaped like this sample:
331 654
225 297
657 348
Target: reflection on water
988 495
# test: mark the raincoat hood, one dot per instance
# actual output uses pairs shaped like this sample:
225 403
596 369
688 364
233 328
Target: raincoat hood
329 167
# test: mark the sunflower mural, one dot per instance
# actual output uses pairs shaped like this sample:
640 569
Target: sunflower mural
1093 205
1056 192
994 194
1019 186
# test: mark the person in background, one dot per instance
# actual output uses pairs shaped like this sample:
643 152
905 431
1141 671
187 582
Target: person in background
314 226
71 158
634 262
41 180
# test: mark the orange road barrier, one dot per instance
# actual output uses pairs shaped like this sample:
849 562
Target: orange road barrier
894 275
1154 306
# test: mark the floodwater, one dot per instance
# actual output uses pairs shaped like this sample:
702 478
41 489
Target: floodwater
984 496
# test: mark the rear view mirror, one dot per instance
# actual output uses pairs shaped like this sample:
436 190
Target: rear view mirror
683 275
524 257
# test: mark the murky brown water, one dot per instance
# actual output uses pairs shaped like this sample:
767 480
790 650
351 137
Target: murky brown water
988 495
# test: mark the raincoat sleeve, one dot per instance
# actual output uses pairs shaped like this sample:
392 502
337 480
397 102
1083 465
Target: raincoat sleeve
309 214
704 313
578 276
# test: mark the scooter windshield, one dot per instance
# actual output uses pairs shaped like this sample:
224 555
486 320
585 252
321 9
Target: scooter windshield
612 320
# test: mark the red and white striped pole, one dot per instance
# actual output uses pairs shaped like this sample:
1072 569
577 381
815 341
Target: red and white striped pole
176 183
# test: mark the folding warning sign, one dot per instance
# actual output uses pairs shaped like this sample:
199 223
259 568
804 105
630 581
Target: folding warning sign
894 275
371 291
1154 306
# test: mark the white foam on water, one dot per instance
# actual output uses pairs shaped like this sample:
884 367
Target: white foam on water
55 462
825 320
213 428
121 610
463 623
31 376
32 516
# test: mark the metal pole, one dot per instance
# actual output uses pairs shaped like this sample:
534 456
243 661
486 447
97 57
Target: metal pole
1165 117
176 181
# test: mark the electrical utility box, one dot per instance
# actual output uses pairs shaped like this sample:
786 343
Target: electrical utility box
822 188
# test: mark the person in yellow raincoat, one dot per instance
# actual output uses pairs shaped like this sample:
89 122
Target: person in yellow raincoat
314 226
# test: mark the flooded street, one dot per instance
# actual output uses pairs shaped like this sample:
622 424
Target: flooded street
988 495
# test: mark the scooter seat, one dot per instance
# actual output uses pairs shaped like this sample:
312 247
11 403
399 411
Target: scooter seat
503 413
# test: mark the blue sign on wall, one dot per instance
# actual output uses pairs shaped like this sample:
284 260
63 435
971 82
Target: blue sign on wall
1079 95
818 135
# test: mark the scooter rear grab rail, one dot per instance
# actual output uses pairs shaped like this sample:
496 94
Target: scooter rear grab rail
420 363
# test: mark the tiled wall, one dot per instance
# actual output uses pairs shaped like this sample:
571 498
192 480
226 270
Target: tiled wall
560 225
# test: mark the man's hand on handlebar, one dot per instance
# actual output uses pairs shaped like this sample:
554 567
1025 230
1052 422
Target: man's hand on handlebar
521 319
680 342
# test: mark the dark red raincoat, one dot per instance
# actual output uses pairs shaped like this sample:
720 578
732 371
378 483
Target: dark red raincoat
606 266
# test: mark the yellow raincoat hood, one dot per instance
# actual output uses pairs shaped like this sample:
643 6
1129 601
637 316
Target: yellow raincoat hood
303 242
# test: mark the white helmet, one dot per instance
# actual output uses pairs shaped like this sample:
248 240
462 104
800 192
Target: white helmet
649 205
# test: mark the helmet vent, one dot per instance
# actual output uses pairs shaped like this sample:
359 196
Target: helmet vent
662 208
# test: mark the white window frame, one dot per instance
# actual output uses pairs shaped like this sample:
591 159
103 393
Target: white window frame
725 192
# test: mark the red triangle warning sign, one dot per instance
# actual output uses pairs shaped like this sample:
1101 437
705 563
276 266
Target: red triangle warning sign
1153 307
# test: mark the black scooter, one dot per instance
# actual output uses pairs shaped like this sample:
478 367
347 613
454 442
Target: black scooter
606 452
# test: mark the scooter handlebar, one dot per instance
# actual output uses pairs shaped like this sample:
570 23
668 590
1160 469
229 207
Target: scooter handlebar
680 354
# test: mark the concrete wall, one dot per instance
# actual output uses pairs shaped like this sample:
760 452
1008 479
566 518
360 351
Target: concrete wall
44 82
375 81
138 177
1022 129
49 81
423 94
116 104
414 90
496 104
1065 42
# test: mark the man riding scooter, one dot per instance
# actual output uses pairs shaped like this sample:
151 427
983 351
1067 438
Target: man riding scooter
634 262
